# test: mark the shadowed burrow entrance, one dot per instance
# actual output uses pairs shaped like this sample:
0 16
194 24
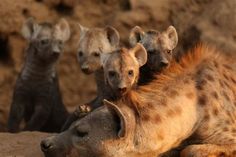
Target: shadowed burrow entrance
5 55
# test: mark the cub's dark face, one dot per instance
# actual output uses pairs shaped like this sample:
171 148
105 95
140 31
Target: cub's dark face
46 39
159 46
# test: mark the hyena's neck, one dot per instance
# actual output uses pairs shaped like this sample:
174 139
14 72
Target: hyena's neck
36 69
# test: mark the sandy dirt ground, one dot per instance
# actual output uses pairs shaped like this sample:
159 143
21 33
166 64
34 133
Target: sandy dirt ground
196 21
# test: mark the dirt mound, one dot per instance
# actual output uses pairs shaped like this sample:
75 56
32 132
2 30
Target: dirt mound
195 20
25 144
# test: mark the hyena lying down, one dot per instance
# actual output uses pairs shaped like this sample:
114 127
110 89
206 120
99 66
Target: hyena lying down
193 100
37 98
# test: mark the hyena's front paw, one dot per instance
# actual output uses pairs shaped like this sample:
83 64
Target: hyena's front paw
82 110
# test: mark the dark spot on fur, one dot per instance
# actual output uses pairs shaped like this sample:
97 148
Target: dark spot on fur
221 84
170 113
233 80
227 67
227 122
233 130
215 95
206 117
201 84
157 118
146 117
163 102
166 88
226 96
216 64
173 93
150 106
226 84
222 154
225 129
225 76
202 100
210 78
234 152
186 81
215 111
190 95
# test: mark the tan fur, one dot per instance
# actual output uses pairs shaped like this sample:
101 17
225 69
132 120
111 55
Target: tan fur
179 105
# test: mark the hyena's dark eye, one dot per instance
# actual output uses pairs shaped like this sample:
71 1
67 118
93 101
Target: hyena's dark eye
130 72
111 73
168 52
44 41
80 53
96 54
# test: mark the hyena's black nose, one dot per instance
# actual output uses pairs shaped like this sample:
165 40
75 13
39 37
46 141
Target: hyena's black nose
46 145
85 69
164 63
123 89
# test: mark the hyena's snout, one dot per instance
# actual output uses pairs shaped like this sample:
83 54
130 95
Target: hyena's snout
46 145
164 63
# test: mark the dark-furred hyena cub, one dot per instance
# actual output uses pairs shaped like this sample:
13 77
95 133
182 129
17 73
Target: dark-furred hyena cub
92 44
159 46
37 98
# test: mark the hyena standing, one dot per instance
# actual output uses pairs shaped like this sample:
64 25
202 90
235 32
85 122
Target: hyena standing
193 101
92 44
37 98
159 46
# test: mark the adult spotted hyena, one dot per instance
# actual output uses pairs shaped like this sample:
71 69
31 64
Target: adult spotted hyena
36 97
193 100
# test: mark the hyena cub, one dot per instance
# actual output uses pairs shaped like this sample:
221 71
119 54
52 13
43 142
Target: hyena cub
159 48
37 98
121 69
92 44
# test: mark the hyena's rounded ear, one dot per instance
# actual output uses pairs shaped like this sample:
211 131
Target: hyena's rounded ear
136 35
172 36
139 53
30 29
122 119
113 36
62 30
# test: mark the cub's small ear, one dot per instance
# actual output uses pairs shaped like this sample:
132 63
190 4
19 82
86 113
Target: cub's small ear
136 35
172 36
116 111
83 30
112 35
140 54
30 29
62 30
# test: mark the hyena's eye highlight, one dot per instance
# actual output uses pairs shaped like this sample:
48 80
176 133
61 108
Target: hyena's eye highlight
111 73
96 54
80 53
130 72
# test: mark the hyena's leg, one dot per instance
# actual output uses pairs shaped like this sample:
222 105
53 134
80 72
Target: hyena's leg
16 111
42 110
209 150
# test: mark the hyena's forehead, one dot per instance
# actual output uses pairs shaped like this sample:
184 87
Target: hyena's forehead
94 41
150 41
121 60
45 30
